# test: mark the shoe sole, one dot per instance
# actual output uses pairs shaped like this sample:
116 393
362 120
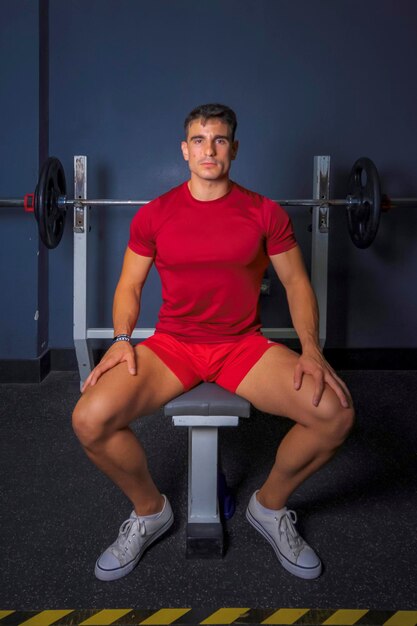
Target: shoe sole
115 574
308 573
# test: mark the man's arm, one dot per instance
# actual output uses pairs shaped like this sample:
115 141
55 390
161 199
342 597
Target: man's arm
302 303
126 303
126 307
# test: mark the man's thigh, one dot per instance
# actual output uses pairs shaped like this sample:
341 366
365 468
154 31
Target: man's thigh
269 386
122 397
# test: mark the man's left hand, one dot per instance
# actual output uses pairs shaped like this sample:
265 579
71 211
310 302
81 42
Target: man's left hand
312 362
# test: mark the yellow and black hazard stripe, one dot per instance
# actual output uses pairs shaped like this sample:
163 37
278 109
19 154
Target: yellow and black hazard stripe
189 616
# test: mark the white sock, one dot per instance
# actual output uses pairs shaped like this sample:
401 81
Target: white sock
262 509
150 517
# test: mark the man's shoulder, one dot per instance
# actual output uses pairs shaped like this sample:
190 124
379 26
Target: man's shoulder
153 210
267 210
169 196
250 196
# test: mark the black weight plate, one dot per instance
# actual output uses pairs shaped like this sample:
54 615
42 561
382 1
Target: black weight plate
365 189
50 218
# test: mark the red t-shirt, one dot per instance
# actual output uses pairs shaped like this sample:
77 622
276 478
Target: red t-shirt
211 257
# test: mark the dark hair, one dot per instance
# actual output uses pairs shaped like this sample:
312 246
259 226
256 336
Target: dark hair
209 111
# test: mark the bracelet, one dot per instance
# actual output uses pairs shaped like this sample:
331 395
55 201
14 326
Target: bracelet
122 337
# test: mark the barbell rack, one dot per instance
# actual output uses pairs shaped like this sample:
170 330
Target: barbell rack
83 334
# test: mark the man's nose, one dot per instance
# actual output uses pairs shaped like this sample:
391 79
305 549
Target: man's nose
210 148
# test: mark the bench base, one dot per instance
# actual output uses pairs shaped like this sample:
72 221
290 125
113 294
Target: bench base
204 541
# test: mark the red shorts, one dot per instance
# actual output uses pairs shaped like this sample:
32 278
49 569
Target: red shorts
223 363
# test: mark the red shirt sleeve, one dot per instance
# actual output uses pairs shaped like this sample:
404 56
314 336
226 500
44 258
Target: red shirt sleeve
142 237
278 228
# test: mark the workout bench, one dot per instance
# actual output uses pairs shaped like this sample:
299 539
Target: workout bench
203 409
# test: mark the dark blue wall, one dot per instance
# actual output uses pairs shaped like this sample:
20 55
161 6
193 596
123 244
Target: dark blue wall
305 77
24 310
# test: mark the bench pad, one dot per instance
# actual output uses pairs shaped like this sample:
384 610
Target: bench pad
208 399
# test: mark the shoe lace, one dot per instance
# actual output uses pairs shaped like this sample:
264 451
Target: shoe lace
129 530
286 526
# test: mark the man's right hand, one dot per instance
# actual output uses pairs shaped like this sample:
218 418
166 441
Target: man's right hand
119 352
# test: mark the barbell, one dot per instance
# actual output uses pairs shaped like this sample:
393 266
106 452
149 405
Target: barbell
364 202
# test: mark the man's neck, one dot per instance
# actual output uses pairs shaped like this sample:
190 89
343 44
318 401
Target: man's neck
208 189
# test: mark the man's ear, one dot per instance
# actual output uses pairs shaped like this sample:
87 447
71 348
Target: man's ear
184 148
235 148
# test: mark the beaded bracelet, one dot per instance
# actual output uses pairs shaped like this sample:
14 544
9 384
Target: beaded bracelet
122 337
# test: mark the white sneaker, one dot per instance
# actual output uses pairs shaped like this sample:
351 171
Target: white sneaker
294 554
136 534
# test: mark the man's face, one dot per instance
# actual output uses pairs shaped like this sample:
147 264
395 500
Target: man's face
209 149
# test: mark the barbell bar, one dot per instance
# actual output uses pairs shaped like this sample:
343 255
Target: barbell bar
364 202
63 201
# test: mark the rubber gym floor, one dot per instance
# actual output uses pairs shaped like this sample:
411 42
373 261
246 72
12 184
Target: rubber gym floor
359 512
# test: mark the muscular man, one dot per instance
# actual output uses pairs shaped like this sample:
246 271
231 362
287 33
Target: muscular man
211 241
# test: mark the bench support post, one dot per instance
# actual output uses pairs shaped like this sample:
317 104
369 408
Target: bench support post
202 474
203 410
204 528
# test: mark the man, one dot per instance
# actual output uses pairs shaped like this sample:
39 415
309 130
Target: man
211 241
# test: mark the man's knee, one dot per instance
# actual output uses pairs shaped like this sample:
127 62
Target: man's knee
334 420
345 420
90 422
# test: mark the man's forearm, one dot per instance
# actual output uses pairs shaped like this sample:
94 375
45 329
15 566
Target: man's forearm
126 307
304 313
